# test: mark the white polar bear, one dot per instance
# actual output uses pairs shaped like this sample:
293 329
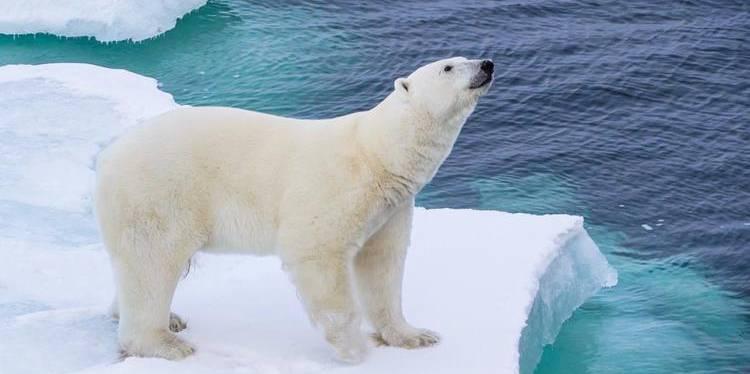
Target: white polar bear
332 198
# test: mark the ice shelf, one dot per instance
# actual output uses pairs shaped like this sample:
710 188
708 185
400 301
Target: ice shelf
497 286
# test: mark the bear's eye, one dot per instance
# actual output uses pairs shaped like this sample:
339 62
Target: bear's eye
447 68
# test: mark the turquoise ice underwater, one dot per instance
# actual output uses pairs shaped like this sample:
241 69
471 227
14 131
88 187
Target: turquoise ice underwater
665 315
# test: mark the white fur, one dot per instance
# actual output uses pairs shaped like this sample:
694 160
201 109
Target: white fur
333 198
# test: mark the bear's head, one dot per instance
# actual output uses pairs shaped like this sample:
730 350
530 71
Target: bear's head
447 89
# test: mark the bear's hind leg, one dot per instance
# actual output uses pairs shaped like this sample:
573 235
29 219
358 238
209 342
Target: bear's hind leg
176 323
145 287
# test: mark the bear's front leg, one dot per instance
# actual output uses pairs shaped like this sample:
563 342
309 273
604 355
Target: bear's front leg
379 270
324 284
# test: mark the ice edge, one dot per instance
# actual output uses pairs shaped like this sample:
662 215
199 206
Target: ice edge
576 271
111 23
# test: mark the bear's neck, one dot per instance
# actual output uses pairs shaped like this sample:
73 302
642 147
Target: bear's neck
406 145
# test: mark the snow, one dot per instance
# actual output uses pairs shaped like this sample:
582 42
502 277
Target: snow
105 20
497 286
55 118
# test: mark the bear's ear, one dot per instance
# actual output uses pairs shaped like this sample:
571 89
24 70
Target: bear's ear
402 85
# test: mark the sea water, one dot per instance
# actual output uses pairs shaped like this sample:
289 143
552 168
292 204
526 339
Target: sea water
633 114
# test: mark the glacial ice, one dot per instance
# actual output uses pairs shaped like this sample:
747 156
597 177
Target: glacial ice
496 285
105 20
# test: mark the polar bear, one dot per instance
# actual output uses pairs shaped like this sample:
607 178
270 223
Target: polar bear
332 198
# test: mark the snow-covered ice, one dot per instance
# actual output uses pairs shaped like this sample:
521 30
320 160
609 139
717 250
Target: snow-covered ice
54 119
105 20
497 286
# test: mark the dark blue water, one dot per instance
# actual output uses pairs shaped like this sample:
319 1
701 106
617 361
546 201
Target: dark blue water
634 114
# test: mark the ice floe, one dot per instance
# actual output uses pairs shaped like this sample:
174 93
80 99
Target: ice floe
497 286
105 20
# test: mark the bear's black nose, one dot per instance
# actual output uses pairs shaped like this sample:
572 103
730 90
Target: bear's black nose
488 67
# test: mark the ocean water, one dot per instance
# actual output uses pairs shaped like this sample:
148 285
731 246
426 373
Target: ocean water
634 114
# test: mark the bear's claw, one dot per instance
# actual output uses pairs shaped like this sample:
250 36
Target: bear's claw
419 338
176 324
